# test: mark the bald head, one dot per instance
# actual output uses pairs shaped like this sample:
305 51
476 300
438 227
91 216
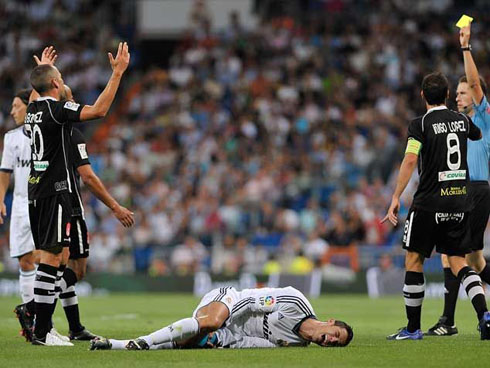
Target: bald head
46 77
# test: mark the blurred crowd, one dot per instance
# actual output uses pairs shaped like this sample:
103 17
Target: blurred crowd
257 149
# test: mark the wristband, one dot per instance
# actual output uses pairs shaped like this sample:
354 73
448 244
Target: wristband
467 48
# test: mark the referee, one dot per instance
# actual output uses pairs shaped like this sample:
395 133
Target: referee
470 97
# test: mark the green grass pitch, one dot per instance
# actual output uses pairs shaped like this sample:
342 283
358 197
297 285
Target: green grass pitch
131 315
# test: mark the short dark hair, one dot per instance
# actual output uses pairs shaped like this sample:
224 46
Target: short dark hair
435 87
483 85
41 78
350 332
24 95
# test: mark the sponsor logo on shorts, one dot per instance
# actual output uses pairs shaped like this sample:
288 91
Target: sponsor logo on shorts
452 175
68 229
41 165
61 185
453 191
445 217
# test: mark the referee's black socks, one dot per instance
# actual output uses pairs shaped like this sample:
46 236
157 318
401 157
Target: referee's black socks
413 293
472 284
44 298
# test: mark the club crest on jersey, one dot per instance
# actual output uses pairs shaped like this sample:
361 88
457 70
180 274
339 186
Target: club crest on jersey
267 301
71 106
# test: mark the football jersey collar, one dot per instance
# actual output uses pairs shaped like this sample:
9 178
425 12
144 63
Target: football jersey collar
46 98
443 107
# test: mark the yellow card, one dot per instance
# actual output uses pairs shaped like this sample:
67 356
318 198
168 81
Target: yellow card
464 21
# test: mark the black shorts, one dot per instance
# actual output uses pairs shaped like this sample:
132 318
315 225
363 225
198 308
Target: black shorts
479 193
79 244
447 232
50 222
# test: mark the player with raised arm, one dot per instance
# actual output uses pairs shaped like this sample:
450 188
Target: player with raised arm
471 100
49 121
438 216
259 318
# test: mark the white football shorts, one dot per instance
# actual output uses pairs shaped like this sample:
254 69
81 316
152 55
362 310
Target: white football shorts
21 241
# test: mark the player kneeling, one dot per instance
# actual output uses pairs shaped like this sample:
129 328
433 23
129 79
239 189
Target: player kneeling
252 318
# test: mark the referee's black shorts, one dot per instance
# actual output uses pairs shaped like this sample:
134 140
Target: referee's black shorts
447 232
50 222
479 193
79 244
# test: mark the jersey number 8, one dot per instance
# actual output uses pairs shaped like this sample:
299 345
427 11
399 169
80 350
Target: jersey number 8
453 148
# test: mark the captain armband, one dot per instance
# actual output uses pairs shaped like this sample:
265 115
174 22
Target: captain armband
413 146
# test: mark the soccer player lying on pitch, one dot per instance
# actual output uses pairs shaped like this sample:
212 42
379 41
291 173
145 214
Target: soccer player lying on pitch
252 318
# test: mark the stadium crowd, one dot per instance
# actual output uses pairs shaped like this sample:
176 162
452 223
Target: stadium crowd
278 140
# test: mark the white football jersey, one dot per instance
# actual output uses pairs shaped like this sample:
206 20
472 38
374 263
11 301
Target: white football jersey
274 314
16 159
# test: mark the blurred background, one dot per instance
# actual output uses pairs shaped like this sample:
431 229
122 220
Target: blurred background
254 139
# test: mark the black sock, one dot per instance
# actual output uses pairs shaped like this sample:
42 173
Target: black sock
69 301
472 284
44 297
414 292
451 284
485 274
30 306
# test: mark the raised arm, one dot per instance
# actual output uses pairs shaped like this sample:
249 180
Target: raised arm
469 65
119 65
95 185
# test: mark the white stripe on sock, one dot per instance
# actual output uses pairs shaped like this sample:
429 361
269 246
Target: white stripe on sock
413 302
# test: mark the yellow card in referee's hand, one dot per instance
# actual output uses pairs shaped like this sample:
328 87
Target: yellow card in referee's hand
464 21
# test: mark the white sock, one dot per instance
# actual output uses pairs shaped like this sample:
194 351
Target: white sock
118 344
26 285
177 331
165 345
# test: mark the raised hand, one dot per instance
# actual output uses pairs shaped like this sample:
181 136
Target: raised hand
48 56
120 63
464 36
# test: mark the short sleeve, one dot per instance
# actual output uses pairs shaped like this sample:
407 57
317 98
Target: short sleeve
483 112
415 130
474 133
8 160
79 149
66 111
